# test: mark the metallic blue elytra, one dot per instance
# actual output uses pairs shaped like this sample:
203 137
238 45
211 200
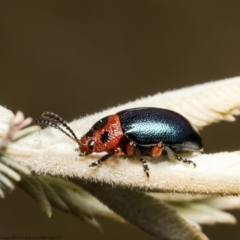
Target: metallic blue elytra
150 126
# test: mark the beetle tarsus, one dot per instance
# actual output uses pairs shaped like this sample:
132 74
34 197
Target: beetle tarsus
184 160
145 166
94 164
143 160
104 158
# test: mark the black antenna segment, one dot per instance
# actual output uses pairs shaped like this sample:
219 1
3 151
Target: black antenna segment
53 120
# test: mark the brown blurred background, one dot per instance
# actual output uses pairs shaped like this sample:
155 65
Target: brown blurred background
78 57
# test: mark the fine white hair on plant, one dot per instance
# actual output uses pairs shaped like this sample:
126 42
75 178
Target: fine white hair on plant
52 152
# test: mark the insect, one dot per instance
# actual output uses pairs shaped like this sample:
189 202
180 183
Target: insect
142 132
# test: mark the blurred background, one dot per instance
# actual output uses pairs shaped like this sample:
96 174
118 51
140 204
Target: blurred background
79 57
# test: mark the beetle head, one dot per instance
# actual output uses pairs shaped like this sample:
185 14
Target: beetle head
104 136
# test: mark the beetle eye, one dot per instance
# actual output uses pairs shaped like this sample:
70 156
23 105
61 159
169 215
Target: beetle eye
91 144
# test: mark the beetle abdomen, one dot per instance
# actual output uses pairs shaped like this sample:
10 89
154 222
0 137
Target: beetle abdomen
149 126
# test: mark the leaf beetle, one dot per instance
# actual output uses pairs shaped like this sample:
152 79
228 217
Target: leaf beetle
143 132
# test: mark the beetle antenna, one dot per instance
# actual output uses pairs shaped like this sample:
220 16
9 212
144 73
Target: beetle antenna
53 120
58 120
42 121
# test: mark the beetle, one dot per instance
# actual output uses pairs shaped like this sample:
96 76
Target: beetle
142 132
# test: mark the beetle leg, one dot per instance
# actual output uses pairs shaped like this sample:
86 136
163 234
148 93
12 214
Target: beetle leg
174 156
156 150
130 148
104 158
143 160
